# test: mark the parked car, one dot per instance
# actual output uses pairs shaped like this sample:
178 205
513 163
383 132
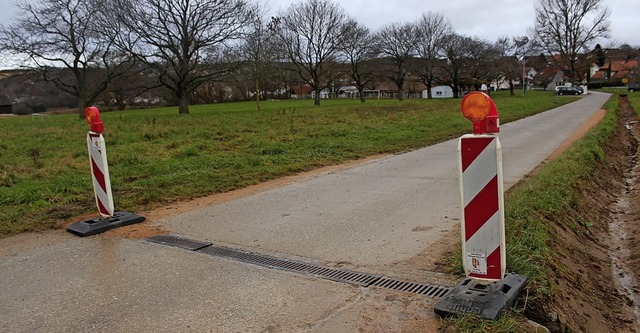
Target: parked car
633 87
569 91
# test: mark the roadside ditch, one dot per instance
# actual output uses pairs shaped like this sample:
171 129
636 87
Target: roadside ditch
595 245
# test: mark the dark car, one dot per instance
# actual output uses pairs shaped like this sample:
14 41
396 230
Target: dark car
569 91
633 87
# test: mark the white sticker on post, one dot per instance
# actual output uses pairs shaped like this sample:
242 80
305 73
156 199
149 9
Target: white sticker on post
96 144
477 262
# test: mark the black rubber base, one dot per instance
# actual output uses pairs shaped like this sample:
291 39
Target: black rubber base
483 299
102 224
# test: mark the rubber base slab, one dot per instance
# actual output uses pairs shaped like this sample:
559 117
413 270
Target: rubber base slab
102 224
483 299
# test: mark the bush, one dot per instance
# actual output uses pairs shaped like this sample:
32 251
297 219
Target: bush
21 109
605 84
37 108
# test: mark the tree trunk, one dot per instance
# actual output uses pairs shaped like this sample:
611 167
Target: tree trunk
361 92
81 106
400 84
572 68
256 70
456 91
183 104
316 99
258 93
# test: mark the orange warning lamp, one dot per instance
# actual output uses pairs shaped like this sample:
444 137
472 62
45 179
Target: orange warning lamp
93 118
481 110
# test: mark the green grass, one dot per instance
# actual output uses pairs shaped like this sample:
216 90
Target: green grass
505 323
157 156
547 194
634 97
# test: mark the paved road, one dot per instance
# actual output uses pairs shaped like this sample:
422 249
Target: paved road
369 217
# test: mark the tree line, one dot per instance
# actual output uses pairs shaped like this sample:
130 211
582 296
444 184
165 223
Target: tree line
88 48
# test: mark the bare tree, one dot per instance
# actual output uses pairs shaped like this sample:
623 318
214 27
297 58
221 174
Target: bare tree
630 51
431 29
135 84
356 51
467 62
397 42
64 46
510 60
561 28
478 61
258 49
309 36
182 40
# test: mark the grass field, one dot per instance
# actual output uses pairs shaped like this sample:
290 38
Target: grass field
157 156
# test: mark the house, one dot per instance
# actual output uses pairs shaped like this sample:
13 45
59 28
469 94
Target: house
324 93
301 91
557 80
548 78
502 84
412 89
348 92
614 69
439 92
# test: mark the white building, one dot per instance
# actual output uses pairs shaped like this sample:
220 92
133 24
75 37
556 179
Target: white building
439 92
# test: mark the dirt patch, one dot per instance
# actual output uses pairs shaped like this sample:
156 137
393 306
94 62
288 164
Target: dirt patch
587 297
140 230
435 257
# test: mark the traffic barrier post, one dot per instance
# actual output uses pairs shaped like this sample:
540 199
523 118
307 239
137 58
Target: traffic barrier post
486 290
101 184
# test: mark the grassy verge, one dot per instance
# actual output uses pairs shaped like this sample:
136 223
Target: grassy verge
634 98
530 208
157 156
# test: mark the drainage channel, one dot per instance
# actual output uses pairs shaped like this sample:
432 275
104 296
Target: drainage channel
333 274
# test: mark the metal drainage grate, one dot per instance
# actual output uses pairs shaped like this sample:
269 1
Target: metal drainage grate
184 243
338 275
411 287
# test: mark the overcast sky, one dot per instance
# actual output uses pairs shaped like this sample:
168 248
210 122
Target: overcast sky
488 19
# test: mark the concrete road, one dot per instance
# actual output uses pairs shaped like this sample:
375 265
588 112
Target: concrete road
381 213
107 284
378 214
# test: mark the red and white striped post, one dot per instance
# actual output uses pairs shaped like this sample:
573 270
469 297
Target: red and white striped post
481 188
101 184
98 162
486 290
